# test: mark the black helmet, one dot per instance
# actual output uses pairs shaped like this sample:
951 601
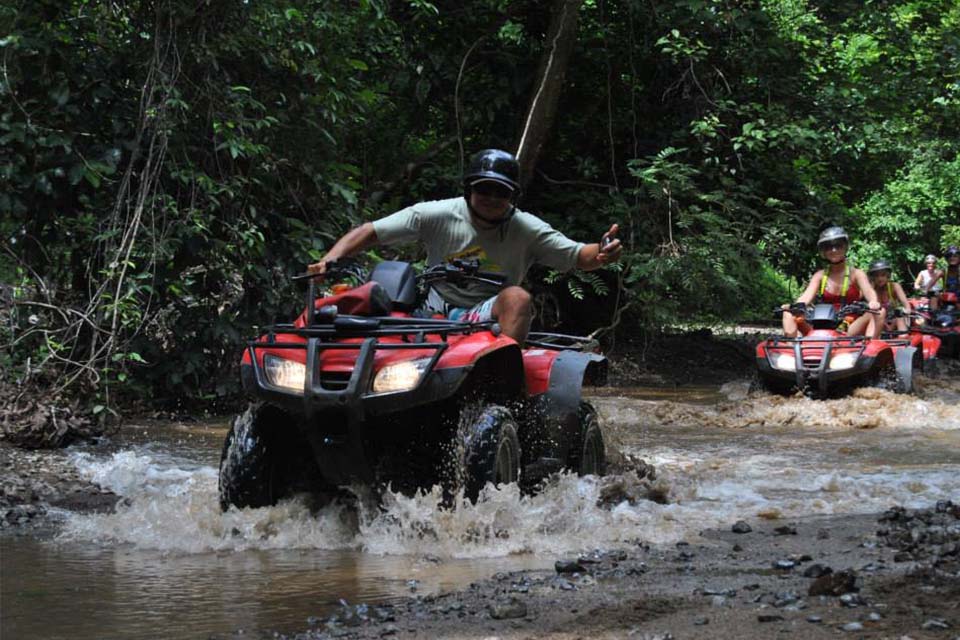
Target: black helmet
952 251
879 265
494 165
832 234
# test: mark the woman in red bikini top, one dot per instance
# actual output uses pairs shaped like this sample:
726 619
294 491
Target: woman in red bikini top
838 284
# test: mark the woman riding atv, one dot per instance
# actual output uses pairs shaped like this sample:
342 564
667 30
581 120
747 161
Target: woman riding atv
838 284
928 282
891 294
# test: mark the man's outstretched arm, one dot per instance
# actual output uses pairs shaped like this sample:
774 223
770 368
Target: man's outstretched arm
354 241
595 255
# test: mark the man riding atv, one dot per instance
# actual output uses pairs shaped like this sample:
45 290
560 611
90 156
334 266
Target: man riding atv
369 387
484 225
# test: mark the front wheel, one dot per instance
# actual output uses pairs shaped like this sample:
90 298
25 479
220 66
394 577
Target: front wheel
250 465
589 457
491 450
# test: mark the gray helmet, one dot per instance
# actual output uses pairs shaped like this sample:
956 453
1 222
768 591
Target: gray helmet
879 265
930 258
832 234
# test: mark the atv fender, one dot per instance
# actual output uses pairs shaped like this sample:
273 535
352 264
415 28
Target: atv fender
558 407
903 360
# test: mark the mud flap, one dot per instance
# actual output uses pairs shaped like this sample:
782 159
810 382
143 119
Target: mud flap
903 360
561 403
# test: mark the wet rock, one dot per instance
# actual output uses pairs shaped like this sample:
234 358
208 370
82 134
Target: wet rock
730 593
701 621
814 619
851 600
513 608
834 584
769 617
785 530
823 534
852 626
784 565
816 570
786 598
935 624
630 488
568 566
741 527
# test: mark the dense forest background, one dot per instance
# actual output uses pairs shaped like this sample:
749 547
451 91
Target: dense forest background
166 165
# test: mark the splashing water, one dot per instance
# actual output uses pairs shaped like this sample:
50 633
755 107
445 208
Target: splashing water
751 456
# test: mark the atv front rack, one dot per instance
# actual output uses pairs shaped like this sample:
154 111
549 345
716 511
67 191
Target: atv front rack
353 392
814 367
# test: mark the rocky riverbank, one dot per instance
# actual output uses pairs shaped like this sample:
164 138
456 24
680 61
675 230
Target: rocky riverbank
35 482
890 575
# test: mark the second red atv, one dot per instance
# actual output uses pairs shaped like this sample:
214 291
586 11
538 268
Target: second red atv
361 389
827 362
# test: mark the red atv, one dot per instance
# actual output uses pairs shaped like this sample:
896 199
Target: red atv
942 325
827 362
361 389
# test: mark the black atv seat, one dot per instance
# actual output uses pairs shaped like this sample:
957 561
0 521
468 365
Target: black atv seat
398 281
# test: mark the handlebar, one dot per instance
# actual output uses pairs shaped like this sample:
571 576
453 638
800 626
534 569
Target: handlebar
800 308
796 308
339 268
457 270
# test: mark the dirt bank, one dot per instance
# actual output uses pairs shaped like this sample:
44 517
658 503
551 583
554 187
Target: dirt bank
33 482
891 575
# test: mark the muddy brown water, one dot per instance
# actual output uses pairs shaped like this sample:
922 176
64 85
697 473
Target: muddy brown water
166 563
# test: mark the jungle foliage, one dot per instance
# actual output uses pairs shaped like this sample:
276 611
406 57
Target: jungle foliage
166 165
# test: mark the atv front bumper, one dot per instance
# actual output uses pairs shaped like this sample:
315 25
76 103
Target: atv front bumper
814 367
352 395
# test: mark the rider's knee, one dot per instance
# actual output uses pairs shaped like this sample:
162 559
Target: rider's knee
516 299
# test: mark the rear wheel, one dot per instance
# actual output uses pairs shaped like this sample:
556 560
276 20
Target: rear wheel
261 458
589 455
491 449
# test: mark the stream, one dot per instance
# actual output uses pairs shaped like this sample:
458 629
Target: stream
167 563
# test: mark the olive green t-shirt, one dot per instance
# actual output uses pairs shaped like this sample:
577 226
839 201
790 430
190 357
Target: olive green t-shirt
445 228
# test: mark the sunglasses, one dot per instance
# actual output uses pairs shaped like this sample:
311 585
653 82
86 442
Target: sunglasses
833 245
492 190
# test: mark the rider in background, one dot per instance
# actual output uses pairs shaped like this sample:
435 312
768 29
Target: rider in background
951 275
483 224
838 284
890 294
929 282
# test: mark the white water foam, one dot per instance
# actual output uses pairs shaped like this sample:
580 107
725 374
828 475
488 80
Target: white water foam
763 457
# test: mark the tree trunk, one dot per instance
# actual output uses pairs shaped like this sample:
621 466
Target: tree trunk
560 41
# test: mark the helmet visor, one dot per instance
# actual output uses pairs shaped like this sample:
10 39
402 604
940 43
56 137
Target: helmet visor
492 188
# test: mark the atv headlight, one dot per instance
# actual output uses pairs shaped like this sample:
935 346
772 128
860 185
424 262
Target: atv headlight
400 376
842 361
783 361
285 374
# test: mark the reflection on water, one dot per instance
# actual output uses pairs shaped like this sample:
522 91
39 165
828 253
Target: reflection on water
168 560
69 590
